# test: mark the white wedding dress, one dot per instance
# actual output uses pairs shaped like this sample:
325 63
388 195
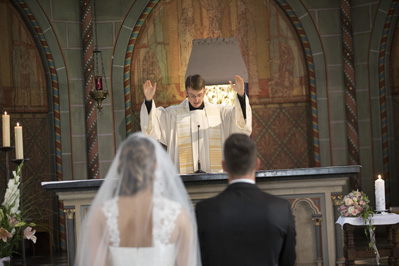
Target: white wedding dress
162 253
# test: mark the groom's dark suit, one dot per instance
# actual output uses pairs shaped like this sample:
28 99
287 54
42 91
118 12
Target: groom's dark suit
246 226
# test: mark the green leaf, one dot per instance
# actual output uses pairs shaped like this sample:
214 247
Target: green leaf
20 167
20 224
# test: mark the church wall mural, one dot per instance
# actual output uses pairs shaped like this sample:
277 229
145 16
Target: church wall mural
277 76
23 94
22 78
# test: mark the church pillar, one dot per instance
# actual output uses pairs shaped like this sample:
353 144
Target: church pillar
340 260
90 106
70 231
317 219
349 86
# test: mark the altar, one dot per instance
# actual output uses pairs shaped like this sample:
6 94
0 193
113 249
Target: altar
314 194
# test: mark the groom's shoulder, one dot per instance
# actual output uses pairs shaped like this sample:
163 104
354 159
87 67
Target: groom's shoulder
206 203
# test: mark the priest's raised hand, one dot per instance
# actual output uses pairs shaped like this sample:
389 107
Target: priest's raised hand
149 90
238 86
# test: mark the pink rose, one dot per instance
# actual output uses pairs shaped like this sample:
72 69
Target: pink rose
348 201
355 211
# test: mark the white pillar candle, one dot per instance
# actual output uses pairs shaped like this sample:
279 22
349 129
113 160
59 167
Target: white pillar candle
6 129
19 145
380 194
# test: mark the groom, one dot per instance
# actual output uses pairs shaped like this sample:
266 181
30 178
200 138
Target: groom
244 225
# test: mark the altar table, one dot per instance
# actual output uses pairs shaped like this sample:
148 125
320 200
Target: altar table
314 194
353 252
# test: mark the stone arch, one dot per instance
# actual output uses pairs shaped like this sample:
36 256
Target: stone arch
313 52
378 62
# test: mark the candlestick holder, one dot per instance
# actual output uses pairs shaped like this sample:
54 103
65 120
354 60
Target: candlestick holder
381 211
19 161
6 150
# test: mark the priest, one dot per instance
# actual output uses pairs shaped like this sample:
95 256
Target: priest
194 131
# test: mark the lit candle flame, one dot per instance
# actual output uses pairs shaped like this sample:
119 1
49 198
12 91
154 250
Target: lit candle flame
379 176
17 124
5 112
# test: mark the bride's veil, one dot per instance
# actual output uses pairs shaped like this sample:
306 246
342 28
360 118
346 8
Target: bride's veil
144 199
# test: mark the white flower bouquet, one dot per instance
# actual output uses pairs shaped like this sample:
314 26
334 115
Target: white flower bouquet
12 225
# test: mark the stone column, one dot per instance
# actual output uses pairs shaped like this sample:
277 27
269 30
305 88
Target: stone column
317 219
70 233
340 260
90 106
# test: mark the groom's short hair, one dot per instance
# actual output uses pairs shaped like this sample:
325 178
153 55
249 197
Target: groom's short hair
239 154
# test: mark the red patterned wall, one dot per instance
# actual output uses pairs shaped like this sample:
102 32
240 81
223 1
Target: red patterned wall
283 133
36 145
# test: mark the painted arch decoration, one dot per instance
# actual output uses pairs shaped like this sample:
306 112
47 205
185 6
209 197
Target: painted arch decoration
274 47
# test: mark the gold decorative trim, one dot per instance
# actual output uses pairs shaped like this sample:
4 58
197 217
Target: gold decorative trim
317 221
337 199
70 214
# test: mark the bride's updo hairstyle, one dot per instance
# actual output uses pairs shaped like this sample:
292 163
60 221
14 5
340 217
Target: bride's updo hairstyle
136 165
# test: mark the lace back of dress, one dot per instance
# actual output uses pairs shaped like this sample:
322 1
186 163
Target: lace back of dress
111 212
164 219
165 213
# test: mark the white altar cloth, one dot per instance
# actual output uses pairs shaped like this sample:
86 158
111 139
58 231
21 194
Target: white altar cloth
377 219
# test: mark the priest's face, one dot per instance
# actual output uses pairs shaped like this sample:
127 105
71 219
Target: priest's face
195 97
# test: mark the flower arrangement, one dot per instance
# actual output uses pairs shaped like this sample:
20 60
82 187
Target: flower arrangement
356 204
12 224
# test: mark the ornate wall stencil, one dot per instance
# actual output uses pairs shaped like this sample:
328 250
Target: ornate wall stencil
283 135
22 78
38 168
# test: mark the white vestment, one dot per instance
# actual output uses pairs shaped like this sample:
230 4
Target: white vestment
177 128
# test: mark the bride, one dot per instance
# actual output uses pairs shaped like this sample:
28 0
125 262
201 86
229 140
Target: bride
142 214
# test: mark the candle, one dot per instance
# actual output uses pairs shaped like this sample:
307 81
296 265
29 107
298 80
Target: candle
99 83
380 194
19 146
6 129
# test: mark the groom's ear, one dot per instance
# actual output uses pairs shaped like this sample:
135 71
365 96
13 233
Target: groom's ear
224 166
257 163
